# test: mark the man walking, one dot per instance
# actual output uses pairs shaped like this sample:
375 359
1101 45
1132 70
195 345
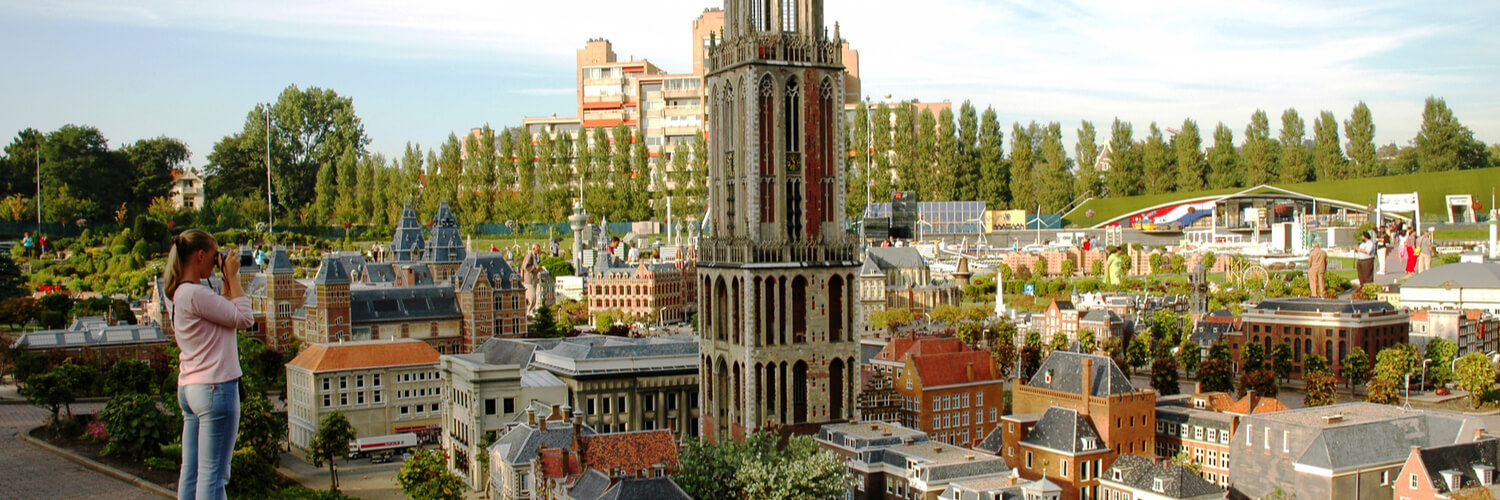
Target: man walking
1364 256
1425 251
1317 270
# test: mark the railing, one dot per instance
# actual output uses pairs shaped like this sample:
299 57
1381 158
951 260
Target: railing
791 47
830 248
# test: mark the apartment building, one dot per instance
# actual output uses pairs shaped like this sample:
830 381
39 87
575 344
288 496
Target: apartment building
383 387
1472 330
899 277
1328 327
950 391
1350 450
486 391
1200 426
1465 470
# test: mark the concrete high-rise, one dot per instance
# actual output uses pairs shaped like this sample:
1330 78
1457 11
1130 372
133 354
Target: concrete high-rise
777 268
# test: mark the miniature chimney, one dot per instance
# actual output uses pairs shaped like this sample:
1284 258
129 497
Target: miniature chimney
531 417
1479 434
969 370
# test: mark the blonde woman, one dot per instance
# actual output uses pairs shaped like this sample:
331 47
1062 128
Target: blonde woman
205 322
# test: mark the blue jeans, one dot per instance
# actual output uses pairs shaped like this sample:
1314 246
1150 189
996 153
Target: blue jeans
210 423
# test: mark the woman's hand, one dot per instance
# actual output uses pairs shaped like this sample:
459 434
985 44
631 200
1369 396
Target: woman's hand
230 265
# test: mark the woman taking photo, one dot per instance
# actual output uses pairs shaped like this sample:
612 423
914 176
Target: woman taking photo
209 366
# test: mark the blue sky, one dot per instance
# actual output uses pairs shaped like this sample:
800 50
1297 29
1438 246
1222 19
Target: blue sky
420 70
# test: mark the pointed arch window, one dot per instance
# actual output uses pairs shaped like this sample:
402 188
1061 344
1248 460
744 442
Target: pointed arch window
767 137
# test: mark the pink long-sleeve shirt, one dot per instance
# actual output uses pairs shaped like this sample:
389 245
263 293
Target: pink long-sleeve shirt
205 324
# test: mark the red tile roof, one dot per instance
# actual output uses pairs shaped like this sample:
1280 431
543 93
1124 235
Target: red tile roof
1252 404
935 370
372 354
899 348
629 451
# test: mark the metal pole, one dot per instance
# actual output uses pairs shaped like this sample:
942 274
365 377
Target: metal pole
270 210
39 188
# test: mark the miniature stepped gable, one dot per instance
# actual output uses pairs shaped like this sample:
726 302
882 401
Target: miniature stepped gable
407 243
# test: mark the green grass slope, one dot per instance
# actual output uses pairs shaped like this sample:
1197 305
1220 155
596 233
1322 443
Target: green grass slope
1431 187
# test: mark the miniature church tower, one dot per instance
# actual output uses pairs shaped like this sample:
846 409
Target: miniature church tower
776 266
445 248
282 297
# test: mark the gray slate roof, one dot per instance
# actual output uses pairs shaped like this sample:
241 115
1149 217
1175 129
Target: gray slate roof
280 262
604 347
1101 316
1308 304
1065 430
445 244
655 488
407 242
1460 275
369 304
1066 369
331 272
485 265
92 334
519 446
499 351
993 442
380 272
1378 442
1176 481
1460 458
589 486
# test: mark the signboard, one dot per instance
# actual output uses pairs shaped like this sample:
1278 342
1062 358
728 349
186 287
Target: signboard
1031 289
1005 219
1398 202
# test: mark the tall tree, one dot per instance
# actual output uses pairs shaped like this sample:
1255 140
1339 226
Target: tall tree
619 173
560 178
1224 161
154 160
1444 144
1360 129
525 193
81 176
308 128
20 162
966 154
1156 163
994 177
1192 167
366 184
882 150
1087 152
698 191
597 197
948 171
327 190
1055 171
926 166
638 180
1294 166
481 166
346 207
1023 161
1328 157
412 177
1124 177
1260 151
904 143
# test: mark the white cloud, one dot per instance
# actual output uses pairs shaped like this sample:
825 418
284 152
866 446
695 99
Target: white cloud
1066 60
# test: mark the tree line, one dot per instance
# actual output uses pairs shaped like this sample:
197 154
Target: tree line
323 173
944 157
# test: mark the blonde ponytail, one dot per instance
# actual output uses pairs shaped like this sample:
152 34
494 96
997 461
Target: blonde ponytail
184 245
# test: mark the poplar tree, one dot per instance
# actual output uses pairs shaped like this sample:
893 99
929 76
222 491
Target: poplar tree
1360 129
994 185
1223 160
905 145
1294 167
479 173
1054 177
524 196
638 180
1156 162
1191 165
346 209
697 192
1444 144
596 194
1259 150
620 201
1023 193
381 192
966 154
1328 157
881 175
412 188
1124 175
327 192
948 171
1087 151
674 190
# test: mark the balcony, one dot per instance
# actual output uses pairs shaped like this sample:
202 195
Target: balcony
837 247
780 47
683 93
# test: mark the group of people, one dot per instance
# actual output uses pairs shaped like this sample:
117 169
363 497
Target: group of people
1376 246
34 247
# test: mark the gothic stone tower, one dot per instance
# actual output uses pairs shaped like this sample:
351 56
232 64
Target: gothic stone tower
776 268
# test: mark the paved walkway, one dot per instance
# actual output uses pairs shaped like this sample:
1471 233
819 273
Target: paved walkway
30 472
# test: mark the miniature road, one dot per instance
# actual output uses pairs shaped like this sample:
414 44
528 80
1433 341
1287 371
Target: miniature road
30 472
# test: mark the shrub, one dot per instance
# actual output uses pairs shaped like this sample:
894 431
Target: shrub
251 473
164 464
137 428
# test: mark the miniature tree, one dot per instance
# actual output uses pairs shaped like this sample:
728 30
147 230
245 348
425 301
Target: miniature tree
331 442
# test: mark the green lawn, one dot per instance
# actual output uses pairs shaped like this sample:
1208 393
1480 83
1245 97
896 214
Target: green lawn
1461 233
1432 188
